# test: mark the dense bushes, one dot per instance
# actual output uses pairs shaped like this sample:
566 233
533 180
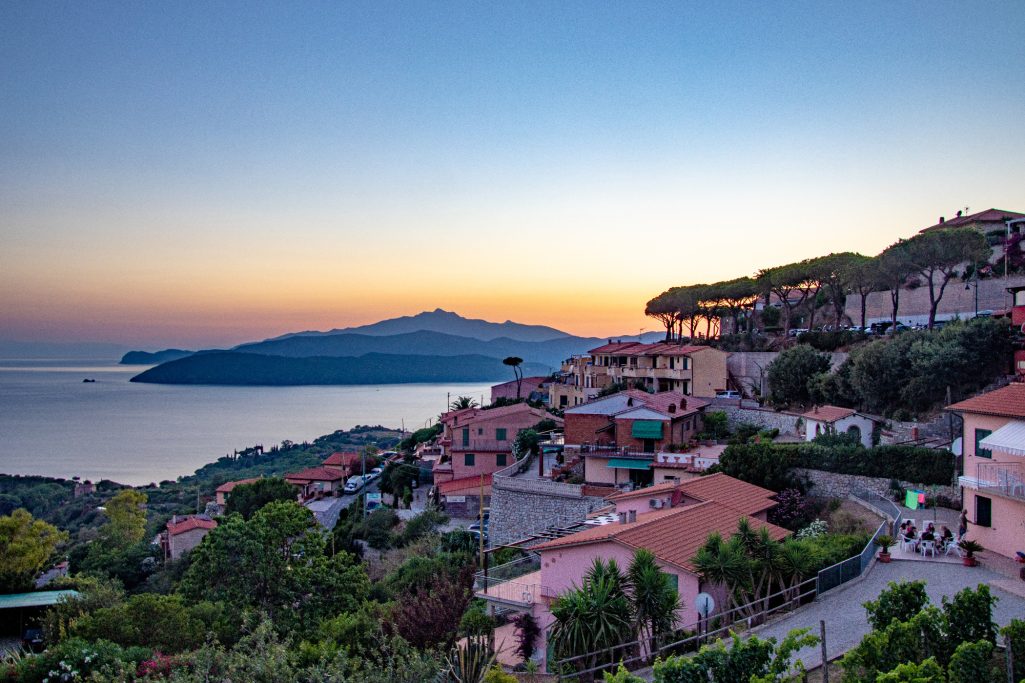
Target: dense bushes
910 373
770 465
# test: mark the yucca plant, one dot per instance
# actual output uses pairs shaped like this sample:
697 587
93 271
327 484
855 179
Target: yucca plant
469 663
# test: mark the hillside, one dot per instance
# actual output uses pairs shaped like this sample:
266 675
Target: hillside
424 343
445 322
148 358
251 369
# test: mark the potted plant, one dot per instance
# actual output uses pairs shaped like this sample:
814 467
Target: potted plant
884 542
970 548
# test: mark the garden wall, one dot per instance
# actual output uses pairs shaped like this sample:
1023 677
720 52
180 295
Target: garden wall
834 485
524 506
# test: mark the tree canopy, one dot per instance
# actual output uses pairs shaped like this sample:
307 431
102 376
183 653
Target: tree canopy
26 546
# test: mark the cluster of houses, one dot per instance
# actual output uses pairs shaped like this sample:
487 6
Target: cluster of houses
184 532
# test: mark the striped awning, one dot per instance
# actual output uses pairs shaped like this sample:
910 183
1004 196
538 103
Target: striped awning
646 429
1008 439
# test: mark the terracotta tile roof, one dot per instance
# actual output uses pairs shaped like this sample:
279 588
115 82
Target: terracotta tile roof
471 416
1008 401
315 474
229 486
615 347
179 525
674 536
524 383
987 216
340 459
721 488
828 413
463 484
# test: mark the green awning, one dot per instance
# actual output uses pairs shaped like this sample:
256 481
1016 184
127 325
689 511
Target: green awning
646 429
628 464
38 599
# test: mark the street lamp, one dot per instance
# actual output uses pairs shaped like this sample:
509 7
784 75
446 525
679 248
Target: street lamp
968 285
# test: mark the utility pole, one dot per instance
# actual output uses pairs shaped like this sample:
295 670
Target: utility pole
363 475
480 530
825 658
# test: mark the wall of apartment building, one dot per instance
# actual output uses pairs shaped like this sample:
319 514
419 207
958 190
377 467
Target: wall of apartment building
483 462
179 544
914 303
581 429
678 431
709 372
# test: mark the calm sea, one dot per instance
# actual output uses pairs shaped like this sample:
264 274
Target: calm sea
51 423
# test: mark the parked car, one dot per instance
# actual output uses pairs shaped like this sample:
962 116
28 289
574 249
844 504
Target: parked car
727 394
476 535
376 472
354 484
32 639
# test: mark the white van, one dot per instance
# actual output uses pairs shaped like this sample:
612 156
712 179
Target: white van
354 484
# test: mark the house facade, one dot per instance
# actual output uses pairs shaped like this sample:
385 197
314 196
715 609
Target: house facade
674 530
619 435
836 420
349 463
183 533
223 492
314 482
993 477
480 441
578 381
531 388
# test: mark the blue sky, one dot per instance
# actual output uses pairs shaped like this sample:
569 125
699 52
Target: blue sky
203 173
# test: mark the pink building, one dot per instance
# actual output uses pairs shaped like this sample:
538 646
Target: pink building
223 491
531 388
993 483
670 520
480 441
184 533
317 481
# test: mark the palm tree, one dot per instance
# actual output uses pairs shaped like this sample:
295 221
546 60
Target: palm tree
463 402
468 664
797 560
514 362
594 619
655 600
725 563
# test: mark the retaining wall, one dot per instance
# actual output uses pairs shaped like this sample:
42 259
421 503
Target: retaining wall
833 484
523 506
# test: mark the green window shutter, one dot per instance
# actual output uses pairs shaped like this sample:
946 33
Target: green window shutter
469 459
500 459
466 436
500 434
646 429
629 464
981 452
983 511
674 581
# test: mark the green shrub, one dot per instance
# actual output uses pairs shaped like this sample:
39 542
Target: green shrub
928 671
970 615
971 663
901 601
1014 633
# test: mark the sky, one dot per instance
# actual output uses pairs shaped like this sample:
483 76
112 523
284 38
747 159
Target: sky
200 174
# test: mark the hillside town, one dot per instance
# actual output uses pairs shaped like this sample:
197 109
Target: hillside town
788 450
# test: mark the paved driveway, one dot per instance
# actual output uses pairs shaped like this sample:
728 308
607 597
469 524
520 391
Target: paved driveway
847 623
327 510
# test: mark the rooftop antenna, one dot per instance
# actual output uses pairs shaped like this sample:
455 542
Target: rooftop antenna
640 333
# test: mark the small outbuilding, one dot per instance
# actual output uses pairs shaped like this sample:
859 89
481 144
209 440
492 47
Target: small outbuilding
836 420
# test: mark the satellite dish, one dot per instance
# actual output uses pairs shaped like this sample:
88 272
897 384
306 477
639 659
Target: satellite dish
705 604
955 447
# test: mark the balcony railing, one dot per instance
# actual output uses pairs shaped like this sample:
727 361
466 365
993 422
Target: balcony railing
484 445
1005 479
514 583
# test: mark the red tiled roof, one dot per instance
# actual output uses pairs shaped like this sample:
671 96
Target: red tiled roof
526 381
464 483
721 488
828 413
661 401
179 525
615 347
470 416
229 486
1008 401
673 536
340 459
987 216
656 349
315 474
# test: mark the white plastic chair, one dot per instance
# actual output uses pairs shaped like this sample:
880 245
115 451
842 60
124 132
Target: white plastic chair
927 547
953 547
905 543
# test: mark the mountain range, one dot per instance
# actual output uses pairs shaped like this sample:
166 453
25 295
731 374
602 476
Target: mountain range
433 346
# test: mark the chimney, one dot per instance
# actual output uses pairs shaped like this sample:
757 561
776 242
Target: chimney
672 408
632 516
942 219
683 404
958 214
630 401
815 410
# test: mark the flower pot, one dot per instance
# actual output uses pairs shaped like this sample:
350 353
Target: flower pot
884 557
970 561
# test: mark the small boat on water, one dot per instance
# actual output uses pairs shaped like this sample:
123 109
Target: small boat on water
88 381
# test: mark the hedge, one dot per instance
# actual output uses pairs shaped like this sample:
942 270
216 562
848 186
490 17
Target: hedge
927 466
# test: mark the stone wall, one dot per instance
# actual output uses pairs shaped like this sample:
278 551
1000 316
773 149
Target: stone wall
749 368
914 303
523 506
747 412
835 485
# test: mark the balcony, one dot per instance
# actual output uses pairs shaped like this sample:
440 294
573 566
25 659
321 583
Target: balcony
482 446
514 584
1005 479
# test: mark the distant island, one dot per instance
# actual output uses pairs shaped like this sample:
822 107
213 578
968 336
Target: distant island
433 346
251 369
154 358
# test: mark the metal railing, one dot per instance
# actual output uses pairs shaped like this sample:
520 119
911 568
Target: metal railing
505 572
637 652
851 568
1005 479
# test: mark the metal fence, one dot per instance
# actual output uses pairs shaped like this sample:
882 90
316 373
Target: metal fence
851 568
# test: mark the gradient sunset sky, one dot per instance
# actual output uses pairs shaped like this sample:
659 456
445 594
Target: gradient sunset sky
206 173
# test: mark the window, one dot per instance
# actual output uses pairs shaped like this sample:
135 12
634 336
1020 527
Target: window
686 363
686 387
469 459
981 452
500 434
500 459
983 511
480 431
674 581
466 436
563 400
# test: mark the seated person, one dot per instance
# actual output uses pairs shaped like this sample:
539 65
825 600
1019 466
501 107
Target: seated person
946 535
911 532
928 535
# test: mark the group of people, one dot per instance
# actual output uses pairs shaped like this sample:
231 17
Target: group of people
910 532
